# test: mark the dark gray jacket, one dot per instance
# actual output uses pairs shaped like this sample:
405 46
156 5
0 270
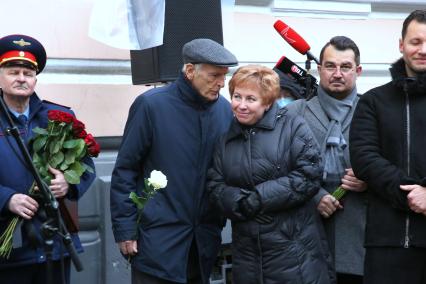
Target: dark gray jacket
345 229
278 158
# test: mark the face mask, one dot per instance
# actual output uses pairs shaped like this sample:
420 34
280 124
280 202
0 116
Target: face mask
282 102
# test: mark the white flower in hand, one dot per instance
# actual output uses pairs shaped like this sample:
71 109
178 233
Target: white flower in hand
157 180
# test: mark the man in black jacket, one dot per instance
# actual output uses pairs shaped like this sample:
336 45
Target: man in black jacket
387 141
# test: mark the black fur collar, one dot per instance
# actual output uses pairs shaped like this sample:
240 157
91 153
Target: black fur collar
414 85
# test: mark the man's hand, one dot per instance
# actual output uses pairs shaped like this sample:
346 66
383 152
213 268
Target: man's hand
59 186
128 248
328 205
352 183
23 205
416 197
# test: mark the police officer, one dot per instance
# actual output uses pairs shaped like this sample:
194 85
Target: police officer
21 59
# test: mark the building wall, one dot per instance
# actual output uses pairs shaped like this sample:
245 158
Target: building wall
92 78
95 79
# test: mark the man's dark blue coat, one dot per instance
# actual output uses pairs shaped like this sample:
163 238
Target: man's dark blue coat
16 178
170 129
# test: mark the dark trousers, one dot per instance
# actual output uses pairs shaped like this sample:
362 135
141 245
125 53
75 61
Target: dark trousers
35 273
348 279
395 265
143 278
193 272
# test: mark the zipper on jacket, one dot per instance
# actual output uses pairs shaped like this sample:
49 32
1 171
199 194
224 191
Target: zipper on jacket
407 218
250 132
407 226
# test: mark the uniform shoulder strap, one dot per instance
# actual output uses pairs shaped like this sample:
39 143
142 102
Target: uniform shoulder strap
56 104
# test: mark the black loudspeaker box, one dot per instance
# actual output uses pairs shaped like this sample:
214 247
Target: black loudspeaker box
185 20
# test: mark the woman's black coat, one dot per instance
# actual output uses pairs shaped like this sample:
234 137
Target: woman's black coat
277 158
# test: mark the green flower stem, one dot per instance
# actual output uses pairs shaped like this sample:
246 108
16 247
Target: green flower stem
6 239
148 192
50 128
339 193
129 262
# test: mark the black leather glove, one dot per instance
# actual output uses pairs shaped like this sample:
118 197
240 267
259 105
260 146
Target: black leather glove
250 205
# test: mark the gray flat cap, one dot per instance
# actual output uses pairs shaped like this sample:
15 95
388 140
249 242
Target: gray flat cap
204 50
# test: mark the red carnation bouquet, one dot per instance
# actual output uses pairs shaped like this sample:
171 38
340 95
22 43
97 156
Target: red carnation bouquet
62 145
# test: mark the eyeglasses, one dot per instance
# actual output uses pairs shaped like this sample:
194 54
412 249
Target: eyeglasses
345 68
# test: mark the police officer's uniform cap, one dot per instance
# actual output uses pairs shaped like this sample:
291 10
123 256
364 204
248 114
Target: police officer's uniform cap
22 50
207 51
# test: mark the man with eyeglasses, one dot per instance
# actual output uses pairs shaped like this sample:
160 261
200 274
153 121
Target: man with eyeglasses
388 143
329 115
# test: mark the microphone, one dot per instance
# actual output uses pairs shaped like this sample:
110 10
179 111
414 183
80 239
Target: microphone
287 66
294 39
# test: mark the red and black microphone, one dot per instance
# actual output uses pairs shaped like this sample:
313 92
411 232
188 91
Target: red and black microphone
287 66
294 39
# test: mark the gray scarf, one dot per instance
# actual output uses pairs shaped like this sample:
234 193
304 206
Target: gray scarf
334 144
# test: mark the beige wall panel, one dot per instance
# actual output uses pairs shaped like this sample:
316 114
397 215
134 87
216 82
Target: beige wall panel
61 25
254 38
103 108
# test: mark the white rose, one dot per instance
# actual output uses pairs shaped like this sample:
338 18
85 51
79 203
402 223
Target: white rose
157 179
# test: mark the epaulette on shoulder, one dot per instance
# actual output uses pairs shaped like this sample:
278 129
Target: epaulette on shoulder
52 103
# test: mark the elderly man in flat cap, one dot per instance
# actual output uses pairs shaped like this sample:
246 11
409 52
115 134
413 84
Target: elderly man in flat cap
172 129
21 59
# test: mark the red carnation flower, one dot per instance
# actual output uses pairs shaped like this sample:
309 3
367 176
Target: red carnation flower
82 134
78 129
66 117
93 148
89 140
53 115
61 116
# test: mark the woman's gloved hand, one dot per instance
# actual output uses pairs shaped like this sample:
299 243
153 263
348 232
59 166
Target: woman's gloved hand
250 205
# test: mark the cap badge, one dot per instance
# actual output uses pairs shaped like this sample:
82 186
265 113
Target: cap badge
22 54
21 42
